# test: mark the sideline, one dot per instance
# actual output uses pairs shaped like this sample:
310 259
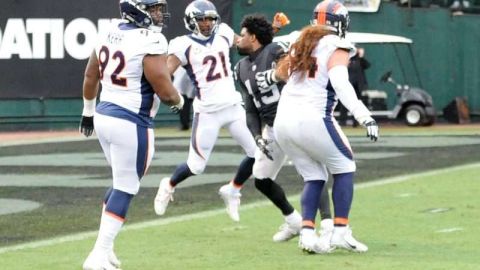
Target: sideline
8 138
206 214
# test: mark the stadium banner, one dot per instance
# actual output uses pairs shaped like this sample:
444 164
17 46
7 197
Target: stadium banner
45 45
362 5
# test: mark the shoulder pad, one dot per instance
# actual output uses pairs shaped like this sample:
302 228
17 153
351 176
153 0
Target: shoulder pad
342 44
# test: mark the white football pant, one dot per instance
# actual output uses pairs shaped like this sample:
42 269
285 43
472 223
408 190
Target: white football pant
128 148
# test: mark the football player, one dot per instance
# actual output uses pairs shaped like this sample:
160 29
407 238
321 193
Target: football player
205 55
317 74
261 106
130 62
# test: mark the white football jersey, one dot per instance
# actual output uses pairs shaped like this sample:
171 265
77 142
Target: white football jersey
314 90
120 51
207 63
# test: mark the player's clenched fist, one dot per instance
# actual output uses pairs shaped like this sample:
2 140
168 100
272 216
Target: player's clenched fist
86 126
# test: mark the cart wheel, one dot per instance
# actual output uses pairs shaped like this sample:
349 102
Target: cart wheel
415 115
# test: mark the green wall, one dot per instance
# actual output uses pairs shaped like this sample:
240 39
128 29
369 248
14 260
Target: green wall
41 114
447 48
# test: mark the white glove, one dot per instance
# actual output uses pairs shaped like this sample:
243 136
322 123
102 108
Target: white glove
371 126
266 78
176 108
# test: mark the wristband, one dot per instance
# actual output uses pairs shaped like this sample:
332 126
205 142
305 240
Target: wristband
89 107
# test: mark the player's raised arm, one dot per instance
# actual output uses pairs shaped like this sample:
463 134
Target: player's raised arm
280 20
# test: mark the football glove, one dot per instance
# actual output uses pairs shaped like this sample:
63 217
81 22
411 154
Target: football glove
263 145
280 20
372 128
86 126
265 78
177 108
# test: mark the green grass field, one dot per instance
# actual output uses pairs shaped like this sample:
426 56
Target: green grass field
426 220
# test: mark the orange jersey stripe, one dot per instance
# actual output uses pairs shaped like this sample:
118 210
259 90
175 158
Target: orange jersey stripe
236 185
115 216
308 223
342 221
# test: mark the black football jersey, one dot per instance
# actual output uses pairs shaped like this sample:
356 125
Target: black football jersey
262 101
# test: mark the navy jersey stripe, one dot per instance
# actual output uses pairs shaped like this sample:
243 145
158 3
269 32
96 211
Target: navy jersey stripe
189 69
331 100
337 140
200 41
127 26
113 110
142 150
195 122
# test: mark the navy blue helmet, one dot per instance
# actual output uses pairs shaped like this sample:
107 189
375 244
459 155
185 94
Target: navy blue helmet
332 15
144 13
199 10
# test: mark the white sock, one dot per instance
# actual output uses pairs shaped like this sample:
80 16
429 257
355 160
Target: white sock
307 231
327 224
109 228
293 218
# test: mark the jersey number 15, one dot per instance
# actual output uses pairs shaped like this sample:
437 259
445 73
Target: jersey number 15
268 96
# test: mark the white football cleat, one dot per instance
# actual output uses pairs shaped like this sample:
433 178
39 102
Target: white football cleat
164 196
290 229
231 197
342 238
285 233
113 259
325 235
98 260
309 242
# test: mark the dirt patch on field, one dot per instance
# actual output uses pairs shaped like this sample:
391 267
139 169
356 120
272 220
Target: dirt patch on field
36 135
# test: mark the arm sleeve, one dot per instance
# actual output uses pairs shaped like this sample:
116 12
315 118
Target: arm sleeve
339 79
253 120
278 52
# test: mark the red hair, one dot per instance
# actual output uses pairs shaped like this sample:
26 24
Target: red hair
300 55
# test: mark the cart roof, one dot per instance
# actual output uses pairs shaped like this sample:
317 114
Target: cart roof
357 37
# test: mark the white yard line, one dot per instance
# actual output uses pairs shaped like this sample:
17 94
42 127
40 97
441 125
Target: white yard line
206 214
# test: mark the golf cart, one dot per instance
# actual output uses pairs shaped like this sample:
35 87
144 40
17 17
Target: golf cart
413 104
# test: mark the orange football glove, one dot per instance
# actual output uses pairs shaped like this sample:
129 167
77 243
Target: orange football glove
280 20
